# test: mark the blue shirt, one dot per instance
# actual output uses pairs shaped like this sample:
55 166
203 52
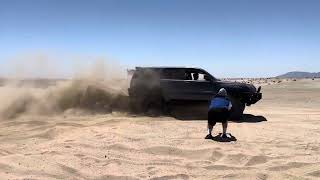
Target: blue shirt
220 103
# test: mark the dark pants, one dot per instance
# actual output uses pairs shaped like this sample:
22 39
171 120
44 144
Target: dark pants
218 115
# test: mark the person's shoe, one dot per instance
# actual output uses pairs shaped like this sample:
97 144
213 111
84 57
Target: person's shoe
209 136
224 136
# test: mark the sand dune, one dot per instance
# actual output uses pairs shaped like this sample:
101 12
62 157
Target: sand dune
118 145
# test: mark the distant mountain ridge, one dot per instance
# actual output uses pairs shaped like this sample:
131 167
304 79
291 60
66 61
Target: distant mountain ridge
300 74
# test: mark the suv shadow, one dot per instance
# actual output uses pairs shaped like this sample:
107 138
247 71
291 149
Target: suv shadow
250 118
199 112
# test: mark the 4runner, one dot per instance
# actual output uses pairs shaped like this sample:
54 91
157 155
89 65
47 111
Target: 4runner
156 87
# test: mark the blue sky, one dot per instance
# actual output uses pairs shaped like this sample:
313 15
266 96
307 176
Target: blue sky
229 38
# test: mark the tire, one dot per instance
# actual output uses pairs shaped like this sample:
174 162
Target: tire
237 109
135 105
152 104
153 107
156 106
153 111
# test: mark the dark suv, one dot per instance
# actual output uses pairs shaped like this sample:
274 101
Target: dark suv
156 87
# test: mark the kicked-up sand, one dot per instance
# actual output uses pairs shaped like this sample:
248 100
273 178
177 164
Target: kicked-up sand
278 139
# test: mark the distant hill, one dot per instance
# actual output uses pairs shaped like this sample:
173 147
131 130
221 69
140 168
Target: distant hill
300 74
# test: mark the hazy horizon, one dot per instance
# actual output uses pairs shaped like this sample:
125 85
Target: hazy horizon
229 39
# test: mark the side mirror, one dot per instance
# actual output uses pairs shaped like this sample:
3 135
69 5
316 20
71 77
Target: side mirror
207 77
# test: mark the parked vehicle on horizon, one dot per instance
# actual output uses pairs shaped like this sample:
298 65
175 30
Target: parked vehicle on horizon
157 87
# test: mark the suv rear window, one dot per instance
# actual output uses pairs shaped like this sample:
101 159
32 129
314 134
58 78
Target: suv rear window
145 74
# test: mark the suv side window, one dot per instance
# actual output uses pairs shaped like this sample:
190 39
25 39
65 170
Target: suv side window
144 77
171 73
196 75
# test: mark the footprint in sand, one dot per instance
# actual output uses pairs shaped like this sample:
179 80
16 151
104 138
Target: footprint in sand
177 176
314 174
69 140
116 177
216 155
236 159
255 160
173 151
288 166
5 167
258 176
49 134
4 152
150 168
70 170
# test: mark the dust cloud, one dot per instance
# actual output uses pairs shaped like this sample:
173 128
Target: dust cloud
98 87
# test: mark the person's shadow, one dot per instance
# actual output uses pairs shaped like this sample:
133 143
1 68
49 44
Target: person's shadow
218 138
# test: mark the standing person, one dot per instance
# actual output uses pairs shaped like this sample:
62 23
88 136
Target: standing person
219 111
195 76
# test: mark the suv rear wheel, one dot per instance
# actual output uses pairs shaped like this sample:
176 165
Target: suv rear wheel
135 105
152 104
156 106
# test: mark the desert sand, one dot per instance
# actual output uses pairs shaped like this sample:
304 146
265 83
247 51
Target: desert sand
278 139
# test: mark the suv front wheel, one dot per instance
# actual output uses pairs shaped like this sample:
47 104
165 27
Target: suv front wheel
237 109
